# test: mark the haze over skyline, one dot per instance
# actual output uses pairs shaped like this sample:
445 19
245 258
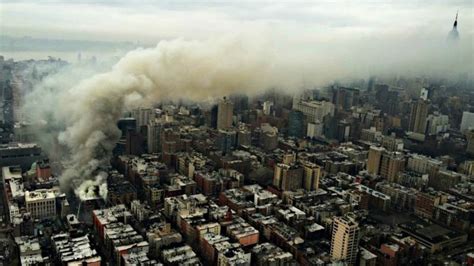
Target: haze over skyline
237 132
302 21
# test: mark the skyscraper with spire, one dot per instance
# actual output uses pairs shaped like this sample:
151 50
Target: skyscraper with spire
454 34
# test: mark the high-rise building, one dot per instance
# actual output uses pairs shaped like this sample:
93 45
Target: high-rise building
385 163
437 123
381 91
426 202
134 143
467 167
288 177
470 142
392 163
371 134
392 143
296 124
267 107
153 137
226 140
444 179
467 121
454 34
315 129
268 137
371 83
240 102
244 137
375 158
288 158
225 111
125 124
343 130
387 99
312 174
142 116
344 98
212 122
424 94
314 110
422 164
22 154
345 240
418 116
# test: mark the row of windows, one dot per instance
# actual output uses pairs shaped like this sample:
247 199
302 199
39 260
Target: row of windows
43 208
20 155
41 203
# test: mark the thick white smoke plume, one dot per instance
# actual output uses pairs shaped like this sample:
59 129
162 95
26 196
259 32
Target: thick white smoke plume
172 70
84 116
92 188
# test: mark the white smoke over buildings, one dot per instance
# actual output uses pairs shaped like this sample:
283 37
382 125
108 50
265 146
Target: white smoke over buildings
93 188
88 112
83 117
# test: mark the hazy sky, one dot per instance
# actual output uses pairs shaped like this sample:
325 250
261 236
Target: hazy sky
299 21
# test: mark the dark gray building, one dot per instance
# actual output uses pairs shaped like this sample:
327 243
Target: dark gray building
22 154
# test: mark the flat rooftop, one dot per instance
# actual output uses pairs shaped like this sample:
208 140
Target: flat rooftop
11 172
40 194
432 233
18 145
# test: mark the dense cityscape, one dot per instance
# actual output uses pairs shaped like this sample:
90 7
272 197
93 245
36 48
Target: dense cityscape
377 170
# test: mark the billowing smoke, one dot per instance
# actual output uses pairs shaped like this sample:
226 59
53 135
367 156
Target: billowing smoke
198 71
92 188
84 116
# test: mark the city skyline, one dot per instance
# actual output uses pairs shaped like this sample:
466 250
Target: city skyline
236 133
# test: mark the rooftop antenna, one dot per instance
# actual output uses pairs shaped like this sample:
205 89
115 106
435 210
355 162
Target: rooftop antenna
456 20
454 34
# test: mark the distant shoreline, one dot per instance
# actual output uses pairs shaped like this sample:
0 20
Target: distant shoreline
70 56
25 48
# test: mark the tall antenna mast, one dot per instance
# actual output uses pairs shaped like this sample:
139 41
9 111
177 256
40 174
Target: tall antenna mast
456 20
